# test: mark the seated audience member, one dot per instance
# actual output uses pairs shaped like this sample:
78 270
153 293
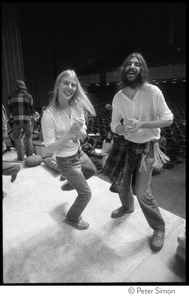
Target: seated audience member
106 147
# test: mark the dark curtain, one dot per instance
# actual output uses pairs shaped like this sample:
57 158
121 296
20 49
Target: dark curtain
37 33
12 58
27 52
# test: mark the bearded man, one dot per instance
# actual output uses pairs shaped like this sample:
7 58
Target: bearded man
139 110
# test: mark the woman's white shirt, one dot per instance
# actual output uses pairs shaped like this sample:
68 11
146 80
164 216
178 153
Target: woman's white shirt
55 124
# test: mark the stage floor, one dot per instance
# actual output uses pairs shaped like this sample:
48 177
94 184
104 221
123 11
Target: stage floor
39 247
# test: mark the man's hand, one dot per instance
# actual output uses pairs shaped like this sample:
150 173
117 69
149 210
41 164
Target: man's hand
133 125
120 129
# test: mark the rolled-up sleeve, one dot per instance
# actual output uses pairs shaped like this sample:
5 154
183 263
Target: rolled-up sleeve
48 129
164 113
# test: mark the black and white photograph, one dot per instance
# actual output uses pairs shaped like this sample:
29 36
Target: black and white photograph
94 145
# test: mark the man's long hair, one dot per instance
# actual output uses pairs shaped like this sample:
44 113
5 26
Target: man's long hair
143 76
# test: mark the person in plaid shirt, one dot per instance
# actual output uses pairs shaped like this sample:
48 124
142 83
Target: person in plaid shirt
143 111
21 109
9 168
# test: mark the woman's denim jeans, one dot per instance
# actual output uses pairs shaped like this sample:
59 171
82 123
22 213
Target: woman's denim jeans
77 169
142 186
28 129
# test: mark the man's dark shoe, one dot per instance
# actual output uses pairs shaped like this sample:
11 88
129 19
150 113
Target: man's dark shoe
121 211
80 225
158 239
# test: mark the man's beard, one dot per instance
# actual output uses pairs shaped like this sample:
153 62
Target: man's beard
133 83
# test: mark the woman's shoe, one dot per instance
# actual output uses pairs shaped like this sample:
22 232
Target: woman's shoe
81 225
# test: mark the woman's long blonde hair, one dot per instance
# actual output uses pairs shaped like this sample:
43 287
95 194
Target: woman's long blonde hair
79 98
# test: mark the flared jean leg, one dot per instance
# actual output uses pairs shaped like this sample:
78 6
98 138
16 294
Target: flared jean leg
126 193
145 197
70 168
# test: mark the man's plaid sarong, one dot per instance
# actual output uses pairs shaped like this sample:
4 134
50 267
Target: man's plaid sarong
116 163
115 167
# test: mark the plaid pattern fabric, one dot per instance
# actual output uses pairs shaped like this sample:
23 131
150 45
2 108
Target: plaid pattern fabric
21 106
116 163
115 167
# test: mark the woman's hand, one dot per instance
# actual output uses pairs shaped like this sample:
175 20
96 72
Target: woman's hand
77 130
82 134
76 126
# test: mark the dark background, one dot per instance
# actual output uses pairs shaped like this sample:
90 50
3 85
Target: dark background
98 36
40 40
